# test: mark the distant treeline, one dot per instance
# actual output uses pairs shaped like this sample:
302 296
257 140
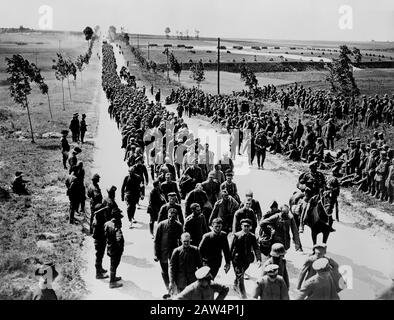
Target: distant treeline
285 66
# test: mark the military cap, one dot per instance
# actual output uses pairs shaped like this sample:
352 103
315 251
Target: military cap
64 132
211 175
274 204
76 114
171 194
320 264
229 172
277 250
271 268
246 221
111 189
320 246
313 164
18 173
83 115
202 273
96 176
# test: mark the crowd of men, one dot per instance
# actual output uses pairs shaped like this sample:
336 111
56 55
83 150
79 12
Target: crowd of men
367 165
215 222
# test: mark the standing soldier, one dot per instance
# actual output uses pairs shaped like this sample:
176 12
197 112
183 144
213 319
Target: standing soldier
195 224
230 186
211 188
321 286
131 192
73 193
203 288
74 127
185 260
245 213
277 256
271 286
244 242
72 160
115 245
165 208
260 143
94 193
211 247
225 209
380 176
83 127
166 240
65 147
156 201
100 218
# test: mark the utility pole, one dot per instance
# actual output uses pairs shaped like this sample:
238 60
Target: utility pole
168 68
218 66
148 51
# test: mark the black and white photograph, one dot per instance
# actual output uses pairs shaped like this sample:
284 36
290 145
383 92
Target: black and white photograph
197 150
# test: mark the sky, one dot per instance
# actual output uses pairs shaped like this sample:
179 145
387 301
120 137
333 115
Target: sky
253 19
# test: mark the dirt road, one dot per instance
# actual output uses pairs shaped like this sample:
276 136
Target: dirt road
366 258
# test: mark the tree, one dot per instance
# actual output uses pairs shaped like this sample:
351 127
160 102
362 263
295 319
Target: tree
197 73
248 77
197 32
177 34
22 74
187 34
167 31
112 33
88 32
79 64
180 35
61 71
341 74
357 55
175 66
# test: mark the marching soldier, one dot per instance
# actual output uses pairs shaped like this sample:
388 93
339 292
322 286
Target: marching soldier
94 193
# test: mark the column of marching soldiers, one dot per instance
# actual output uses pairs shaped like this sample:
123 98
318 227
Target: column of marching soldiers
190 245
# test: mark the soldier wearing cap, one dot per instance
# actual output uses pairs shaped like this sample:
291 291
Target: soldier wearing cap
196 224
115 245
95 195
172 204
390 183
321 286
230 186
245 212
211 188
243 245
167 238
131 192
65 147
319 251
203 288
271 286
170 186
74 127
277 256
381 172
83 127
109 200
260 144
73 192
225 209
72 160
311 183
156 201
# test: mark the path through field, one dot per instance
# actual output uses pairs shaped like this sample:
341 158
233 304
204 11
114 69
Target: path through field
367 257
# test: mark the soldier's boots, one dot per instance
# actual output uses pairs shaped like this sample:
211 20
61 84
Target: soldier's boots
113 285
117 279
101 276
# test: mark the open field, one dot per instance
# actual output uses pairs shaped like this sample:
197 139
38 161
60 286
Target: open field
274 49
35 228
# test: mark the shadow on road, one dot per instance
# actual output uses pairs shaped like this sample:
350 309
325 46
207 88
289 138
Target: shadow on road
131 289
138 262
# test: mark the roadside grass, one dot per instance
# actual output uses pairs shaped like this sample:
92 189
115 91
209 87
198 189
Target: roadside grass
35 228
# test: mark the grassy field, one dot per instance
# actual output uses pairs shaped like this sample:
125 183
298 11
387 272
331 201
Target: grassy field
35 228
377 51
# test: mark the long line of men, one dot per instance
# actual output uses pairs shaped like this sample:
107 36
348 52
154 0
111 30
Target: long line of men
369 166
183 241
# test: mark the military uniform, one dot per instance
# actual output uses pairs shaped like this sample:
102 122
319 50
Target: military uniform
271 290
196 291
115 245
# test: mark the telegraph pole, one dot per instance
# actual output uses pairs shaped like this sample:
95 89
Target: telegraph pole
168 68
218 66
148 51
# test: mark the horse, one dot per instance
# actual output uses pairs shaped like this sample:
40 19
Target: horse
318 214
